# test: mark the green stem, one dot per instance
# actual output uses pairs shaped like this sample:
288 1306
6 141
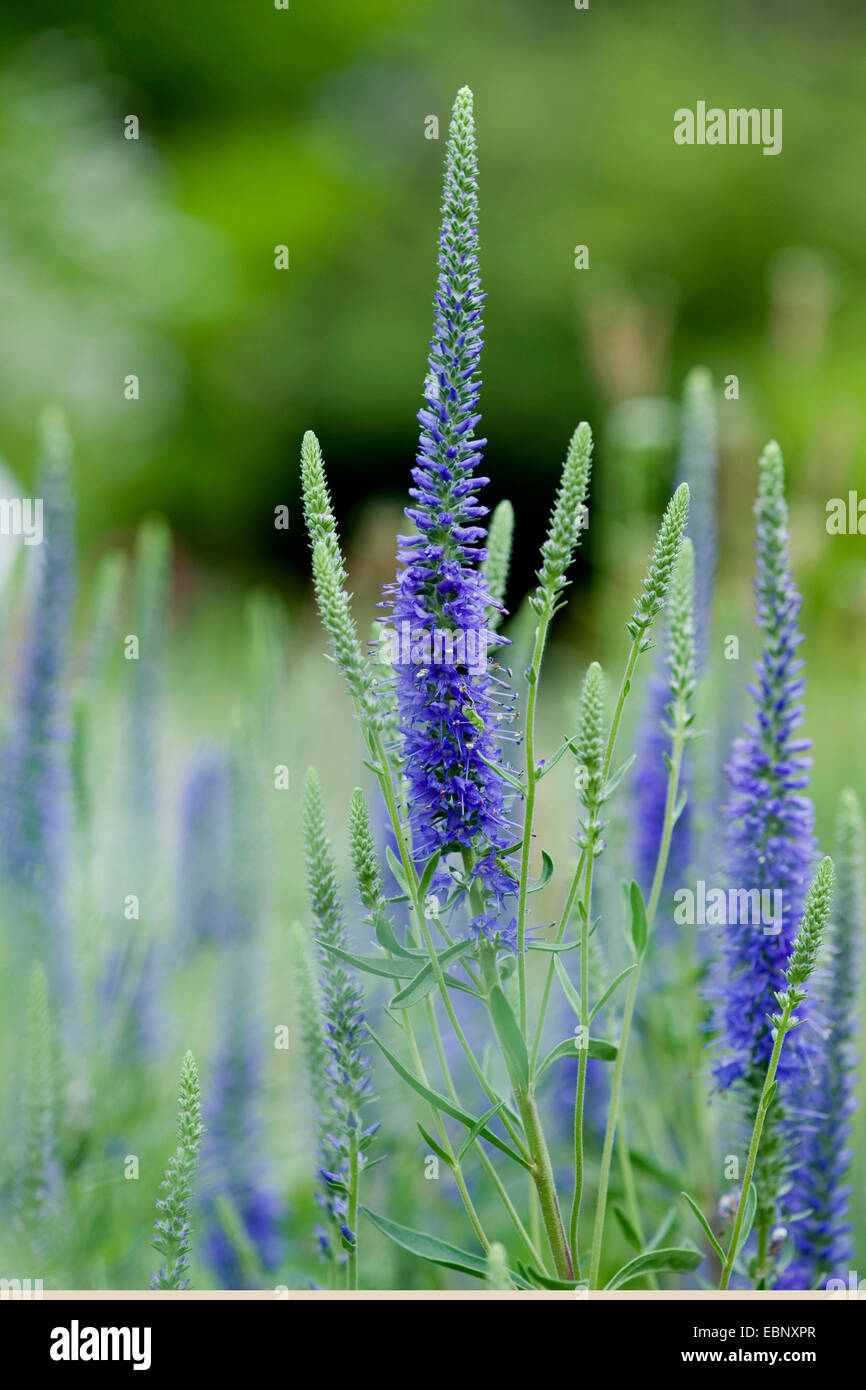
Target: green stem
763 1106
414 887
545 1185
634 980
531 782
458 1031
560 932
607 1150
534 1212
542 1168
624 688
445 1139
485 1159
387 786
583 1059
388 793
428 943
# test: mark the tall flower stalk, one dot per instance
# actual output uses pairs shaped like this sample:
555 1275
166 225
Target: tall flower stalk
450 711
672 567
770 846
589 751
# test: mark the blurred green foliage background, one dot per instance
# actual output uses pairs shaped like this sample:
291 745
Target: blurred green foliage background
307 127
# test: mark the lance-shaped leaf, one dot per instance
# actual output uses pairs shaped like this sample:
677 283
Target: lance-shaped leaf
596 1048
425 980
510 1037
440 1102
669 1261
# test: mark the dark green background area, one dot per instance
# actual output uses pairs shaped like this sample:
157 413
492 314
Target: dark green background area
306 127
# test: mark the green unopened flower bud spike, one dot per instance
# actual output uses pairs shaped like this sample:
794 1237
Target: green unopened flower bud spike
499 542
318 511
661 567
589 748
567 521
172 1229
337 620
680 656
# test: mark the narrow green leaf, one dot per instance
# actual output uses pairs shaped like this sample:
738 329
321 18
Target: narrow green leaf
614 780
552 761
442 1103
431 1248
503 773
569 990
509 1035
397 868
425 981
437 1148
373 965
638 919
597 1048
670 1261
386 937
546 873
748 1218
610 989
404 969
545 1281
708 1230
427 875
477 1128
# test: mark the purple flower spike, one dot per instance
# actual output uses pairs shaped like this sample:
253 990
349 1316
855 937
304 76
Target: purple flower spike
451 709
34 779
770 846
